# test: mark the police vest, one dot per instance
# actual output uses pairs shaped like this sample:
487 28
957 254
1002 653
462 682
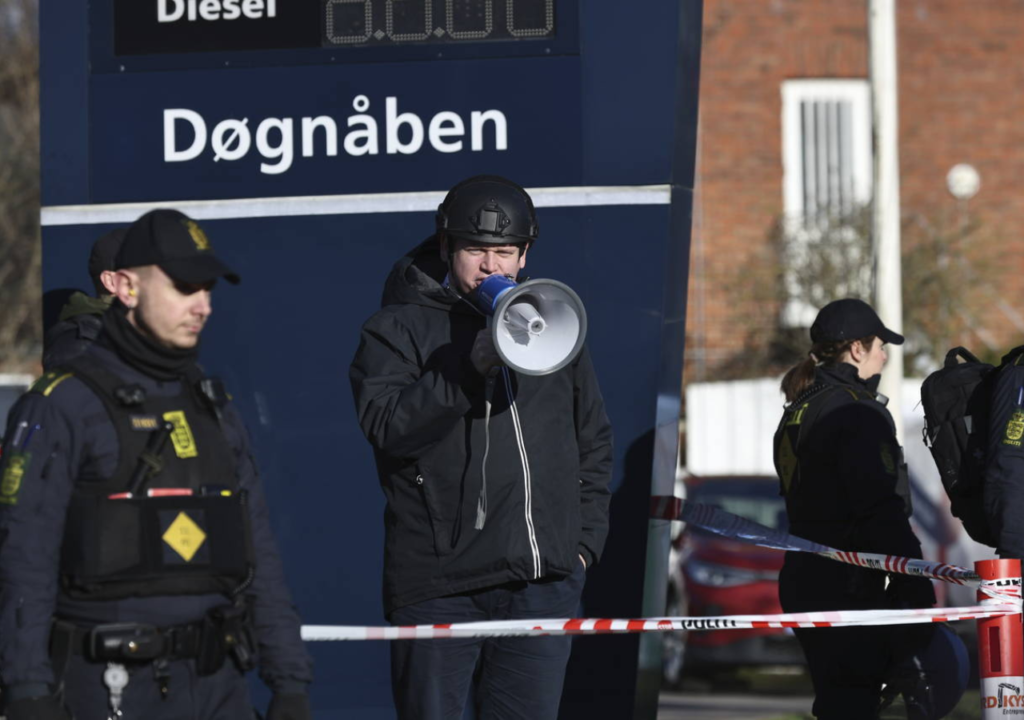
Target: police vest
171 519
798 419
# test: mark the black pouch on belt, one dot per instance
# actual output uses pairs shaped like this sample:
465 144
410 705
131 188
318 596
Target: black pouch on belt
212 651
226 630
123 642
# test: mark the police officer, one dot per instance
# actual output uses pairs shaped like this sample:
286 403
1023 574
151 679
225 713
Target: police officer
139 576
845 484
1003 486
497 501
80 323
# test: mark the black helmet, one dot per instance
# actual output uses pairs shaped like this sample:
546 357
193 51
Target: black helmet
488 209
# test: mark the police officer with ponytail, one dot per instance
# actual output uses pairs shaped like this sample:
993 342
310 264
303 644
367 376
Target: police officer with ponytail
845 484
138 574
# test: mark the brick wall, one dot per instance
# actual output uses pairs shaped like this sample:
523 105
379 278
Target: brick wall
961 85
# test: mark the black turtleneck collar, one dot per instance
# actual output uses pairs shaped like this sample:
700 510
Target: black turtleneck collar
141 352
842 373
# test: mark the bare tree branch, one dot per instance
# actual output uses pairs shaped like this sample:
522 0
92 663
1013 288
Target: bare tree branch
949 269
20 255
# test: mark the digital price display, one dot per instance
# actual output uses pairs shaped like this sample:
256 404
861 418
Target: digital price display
153 27
364 22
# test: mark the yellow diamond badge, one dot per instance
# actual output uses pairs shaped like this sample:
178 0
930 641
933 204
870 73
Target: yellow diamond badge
184 536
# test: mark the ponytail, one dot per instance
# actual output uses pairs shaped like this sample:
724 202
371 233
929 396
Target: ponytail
801 376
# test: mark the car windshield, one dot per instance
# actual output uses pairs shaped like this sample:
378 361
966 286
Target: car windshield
751 499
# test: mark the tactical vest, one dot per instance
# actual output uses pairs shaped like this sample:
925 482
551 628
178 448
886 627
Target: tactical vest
184 530
798 418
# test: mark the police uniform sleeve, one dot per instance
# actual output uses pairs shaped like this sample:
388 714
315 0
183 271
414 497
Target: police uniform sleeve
594 438
37 470
1003 488
285 666
405 407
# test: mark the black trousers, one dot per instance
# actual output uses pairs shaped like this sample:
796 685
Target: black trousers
517 678
221 696
848 666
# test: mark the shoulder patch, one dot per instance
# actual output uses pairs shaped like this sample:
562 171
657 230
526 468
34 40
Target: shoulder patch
787 463
10 482
1014 429
888 461
48 382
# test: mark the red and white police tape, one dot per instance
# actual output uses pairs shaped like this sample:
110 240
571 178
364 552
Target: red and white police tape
1004 597
733 526
594 626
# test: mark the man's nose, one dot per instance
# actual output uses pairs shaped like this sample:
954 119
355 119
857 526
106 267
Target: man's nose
203 306
490 263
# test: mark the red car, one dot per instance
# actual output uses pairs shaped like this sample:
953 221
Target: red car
730 577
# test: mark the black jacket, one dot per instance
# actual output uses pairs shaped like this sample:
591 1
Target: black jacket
421 405
847 490
1003 493
61 434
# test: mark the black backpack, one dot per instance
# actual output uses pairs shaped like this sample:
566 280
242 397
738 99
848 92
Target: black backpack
956 400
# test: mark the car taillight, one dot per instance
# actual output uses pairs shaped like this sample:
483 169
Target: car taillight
714 575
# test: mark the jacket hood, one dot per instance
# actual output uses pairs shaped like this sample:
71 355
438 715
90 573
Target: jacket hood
418 278
81 304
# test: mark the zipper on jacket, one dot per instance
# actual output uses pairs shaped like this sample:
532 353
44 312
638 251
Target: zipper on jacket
530 529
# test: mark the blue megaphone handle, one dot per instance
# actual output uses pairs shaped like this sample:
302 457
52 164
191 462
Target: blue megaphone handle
490 292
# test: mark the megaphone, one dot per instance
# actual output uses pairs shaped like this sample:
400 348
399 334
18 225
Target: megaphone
539 325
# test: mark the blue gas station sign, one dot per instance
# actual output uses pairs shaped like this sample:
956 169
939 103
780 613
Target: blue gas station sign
314 139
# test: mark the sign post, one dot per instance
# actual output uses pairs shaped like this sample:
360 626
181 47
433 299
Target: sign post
314 140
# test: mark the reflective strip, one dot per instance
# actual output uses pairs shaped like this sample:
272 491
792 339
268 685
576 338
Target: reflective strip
357 204
52 386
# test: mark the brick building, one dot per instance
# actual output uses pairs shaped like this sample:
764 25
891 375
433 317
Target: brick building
785 129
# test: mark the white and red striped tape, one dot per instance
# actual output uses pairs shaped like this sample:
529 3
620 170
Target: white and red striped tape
1006 600
595 626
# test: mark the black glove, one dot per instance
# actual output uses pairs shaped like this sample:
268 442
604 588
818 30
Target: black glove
908 591
40 708
287 706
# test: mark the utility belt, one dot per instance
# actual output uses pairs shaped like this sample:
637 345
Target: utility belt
224 632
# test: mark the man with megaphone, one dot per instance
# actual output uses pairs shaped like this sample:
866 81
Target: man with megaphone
494 453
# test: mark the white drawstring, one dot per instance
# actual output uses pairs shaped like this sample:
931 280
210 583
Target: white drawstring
481 503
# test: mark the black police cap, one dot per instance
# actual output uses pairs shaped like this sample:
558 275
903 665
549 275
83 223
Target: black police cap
175 243
850 319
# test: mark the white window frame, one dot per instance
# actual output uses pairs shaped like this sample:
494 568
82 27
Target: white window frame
795 93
